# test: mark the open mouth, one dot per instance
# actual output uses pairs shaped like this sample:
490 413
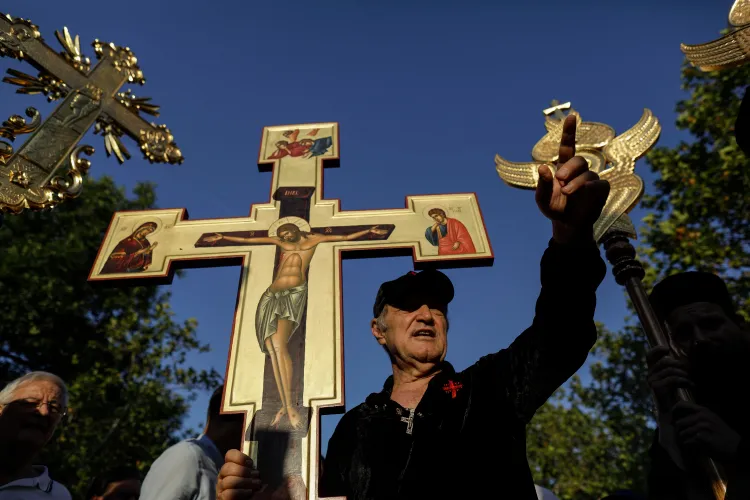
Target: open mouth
424 333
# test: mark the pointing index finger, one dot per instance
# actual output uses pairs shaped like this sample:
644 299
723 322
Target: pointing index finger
567 140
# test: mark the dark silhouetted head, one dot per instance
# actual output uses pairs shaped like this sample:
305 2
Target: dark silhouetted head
119 483
224 429
703 327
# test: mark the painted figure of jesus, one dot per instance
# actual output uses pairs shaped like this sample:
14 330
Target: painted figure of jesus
282 305
449 235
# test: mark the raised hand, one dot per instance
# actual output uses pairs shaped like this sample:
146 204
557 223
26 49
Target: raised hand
237 480
148 249
573 197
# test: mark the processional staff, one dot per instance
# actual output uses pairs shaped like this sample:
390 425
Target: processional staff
613 157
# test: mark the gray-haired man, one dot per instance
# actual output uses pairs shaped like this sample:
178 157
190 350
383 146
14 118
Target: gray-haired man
31 407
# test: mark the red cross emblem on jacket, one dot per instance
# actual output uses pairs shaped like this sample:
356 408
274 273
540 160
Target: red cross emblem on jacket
452 388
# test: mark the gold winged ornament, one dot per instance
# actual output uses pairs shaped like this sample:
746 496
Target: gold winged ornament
732 49
611 156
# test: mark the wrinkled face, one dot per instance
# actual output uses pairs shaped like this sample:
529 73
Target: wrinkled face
21 421
416 335
438 218
127 489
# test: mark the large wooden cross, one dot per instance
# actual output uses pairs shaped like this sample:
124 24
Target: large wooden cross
286 353
32 176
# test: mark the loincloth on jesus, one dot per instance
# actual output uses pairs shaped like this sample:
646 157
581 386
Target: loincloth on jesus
287 304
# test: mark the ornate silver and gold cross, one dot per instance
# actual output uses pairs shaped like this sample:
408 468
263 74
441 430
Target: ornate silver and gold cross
47 168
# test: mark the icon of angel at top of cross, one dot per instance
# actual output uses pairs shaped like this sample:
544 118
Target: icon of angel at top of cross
306 148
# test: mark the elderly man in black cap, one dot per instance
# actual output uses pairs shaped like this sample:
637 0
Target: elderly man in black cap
436 433
710 354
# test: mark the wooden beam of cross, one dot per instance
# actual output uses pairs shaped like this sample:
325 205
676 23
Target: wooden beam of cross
281 373
47 168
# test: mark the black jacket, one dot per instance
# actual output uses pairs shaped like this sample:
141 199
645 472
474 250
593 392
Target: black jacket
467 435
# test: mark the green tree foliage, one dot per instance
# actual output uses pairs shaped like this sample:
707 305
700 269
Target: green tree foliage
120 350
590 440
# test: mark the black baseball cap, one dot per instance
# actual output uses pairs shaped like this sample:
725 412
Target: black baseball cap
414 289
688 288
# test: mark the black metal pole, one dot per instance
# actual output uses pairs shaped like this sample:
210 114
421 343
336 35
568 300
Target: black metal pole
629 272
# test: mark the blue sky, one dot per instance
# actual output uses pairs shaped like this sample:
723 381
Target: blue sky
426 93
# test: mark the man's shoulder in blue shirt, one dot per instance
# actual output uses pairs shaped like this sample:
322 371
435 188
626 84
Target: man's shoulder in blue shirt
185 471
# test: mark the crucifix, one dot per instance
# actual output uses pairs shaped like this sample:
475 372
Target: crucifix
285 363
47 168
409 421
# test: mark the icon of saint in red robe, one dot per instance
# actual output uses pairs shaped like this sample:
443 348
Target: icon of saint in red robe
133 254
449 235
303 147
